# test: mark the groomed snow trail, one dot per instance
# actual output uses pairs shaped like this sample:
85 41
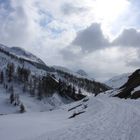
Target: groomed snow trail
104 119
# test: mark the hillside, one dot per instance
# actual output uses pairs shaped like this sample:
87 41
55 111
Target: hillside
84 83
79 73
117 81
131 89
99 118
38 102
35 78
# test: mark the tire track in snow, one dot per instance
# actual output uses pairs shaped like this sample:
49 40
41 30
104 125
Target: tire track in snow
115 120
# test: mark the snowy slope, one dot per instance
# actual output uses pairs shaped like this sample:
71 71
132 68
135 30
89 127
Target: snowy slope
82 73
103 118
136 89
131 89
118 81
63 69
10 55
79 73
21 53
22 58
32 104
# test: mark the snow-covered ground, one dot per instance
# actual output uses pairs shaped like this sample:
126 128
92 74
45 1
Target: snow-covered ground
118 81
136 89
32 104
79 73
101 118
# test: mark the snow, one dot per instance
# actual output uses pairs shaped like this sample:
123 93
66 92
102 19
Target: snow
96 118
21 53
118 81
5 59
82 72
135 89
104 118
32 104
78 74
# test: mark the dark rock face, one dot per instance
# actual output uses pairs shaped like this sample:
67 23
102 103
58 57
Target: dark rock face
130 85
136 95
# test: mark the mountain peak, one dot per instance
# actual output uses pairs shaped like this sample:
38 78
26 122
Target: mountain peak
82 72
21 53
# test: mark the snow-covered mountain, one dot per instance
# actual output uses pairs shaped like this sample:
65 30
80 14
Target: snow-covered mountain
79 73
82 73
64 69
21 53
131 89
33 76
118 81
84 82
54 106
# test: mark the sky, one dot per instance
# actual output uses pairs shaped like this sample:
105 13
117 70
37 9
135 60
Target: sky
101 37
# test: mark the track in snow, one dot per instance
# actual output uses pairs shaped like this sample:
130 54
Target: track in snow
104 119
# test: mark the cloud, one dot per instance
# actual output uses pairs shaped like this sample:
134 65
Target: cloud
92 51
86 41
91 38
134 63
69 30
17 27
135 58
69 8
128 38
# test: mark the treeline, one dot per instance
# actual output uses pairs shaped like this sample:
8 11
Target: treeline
86 84
37 86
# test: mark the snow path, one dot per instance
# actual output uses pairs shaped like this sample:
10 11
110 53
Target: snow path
117 121
105 119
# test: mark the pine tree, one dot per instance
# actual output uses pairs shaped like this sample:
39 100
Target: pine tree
31 88
10 72
39 90
69 90
73 91
79 91
1 77
24 87
22 108
12 98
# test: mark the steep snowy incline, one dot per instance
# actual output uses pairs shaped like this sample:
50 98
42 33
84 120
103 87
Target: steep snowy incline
118 81
99 118
21 53
80 73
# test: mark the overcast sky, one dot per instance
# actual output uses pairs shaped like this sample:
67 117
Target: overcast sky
99 36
